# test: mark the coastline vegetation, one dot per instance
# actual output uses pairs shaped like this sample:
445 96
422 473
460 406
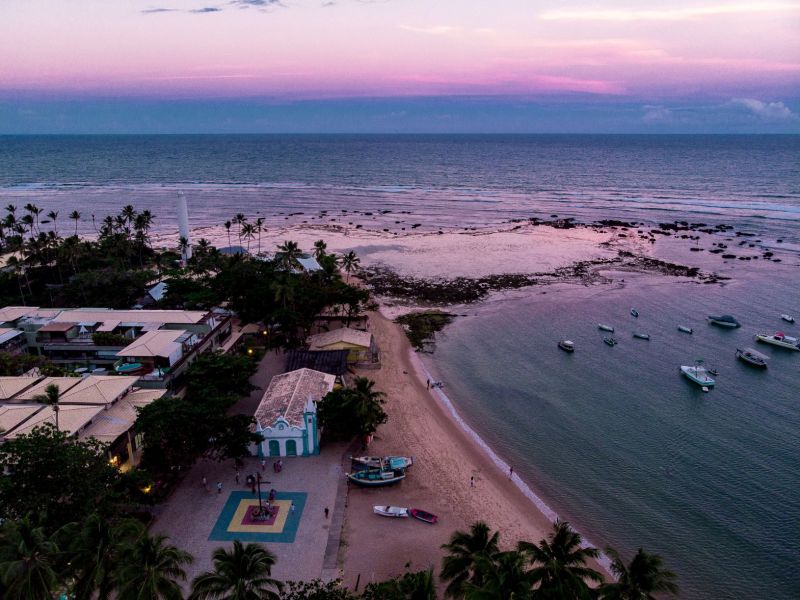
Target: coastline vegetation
422 326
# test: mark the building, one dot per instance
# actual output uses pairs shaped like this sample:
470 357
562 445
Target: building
99 407
286 417
360 344
91 339
156 352
12 341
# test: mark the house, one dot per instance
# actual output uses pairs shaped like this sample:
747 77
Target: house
360 344
333 362
12 341
286 417
157 351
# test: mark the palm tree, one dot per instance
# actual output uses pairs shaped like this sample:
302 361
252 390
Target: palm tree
95 551
128 214
559 564
288 253
50 397
228 229
504 578
248 233
28 559
243 573
239 219
319 249
75 216
53 216
150 569
465 551
643 577
183 245
33 212
349 262
367 405
259 229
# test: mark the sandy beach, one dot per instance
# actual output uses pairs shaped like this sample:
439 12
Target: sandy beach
439 482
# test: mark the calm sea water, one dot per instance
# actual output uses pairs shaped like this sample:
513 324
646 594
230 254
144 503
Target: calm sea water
612 438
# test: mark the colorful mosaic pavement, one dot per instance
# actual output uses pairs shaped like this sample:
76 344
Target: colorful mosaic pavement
238 520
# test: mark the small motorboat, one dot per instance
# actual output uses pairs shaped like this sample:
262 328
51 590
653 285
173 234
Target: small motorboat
788 318
395 512
641 336
610 341
567 345
383 462
376 478
698 375
602 327
724 321
635 313
779 339
423 515
685 329
752 357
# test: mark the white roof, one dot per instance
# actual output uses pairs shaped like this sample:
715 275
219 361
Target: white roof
98 389
309 263
288 394
71 418
131 316
63 383
7 333
10 386
345 334
157 291
162 342
119 418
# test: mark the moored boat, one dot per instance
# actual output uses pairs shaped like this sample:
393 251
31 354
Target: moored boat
641 336
779 339
635 312
724 321
567 345
376 478
788 318
752 357
698 375
610 341
395 512
383 462
423 515
685 329
603 327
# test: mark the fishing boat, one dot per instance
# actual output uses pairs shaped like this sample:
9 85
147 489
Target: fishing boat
752 357
779 339
698 375
423 515
641 336
567 345
724 321
395 512
383 462
788 318
610 341
602 327
376 478
635 313
685 329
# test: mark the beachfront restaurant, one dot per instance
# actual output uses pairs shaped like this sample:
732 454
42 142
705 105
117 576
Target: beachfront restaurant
286 417
360 345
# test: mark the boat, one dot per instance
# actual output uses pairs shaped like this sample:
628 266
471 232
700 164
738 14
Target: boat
610 341
779 339
788 318
635 313
724 321
423 515
685 329
752 357
395 512
602 327
383 462
641 336
567 345
375 477
698 375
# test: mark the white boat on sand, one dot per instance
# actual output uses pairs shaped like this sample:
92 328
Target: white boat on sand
395 512
779 339
699 375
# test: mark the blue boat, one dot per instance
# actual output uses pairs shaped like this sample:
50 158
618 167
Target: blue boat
376 478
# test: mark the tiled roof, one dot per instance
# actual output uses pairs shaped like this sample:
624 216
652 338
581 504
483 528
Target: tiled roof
98 389
63 383
154 343
131 316
10 386
120 417
345 334
11 415
71 418
288 393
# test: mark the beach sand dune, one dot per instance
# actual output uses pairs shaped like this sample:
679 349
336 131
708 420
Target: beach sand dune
439 482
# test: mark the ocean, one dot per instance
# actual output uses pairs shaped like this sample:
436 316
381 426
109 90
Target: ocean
613 439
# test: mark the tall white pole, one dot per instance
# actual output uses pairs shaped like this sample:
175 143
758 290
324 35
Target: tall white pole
183 224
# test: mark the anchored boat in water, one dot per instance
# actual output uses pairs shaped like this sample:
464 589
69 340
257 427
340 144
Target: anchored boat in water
567 345
602 327
699 375
724 321
752 357
788 318
779 339
685 329
610 341
635 313
641 336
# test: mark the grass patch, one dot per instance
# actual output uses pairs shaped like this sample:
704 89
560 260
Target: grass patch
421 327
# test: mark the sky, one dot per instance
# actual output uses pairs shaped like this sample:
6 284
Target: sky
399 66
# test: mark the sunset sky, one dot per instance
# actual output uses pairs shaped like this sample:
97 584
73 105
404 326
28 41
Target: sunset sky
399 66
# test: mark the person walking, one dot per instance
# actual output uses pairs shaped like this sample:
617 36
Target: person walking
472 481
510 472
291 509
219 487
205 483
237 477
263 464
326 512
